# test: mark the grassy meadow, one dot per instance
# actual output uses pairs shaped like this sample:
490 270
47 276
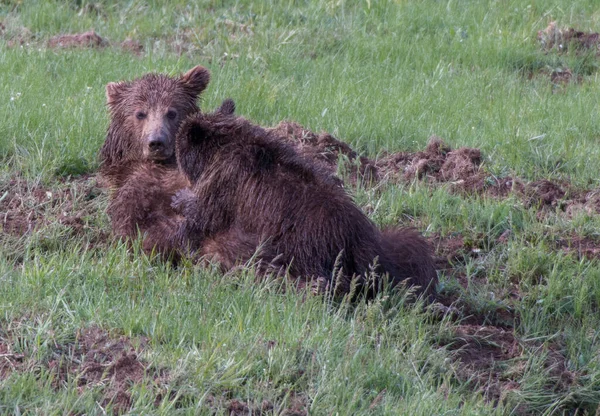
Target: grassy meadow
517 327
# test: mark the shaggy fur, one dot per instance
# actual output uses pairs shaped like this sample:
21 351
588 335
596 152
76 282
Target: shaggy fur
244 178
145 115
138 160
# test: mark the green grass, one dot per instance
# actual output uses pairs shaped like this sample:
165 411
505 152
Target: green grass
383 76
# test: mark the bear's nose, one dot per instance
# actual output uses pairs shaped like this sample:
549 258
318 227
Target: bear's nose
156 144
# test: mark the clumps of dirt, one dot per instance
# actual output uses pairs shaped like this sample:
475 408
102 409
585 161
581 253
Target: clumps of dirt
561 378
580 247
69 207
544 193
326 150
98 359
438 164
297 405
133 46
91 39
88 39
21 36
559 77
562 39
563 76
9 361
461 170
452 248
482 355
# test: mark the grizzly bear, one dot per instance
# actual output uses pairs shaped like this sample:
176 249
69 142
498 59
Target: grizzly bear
243 177
137 160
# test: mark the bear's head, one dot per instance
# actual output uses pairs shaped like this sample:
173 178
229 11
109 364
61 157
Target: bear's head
146 114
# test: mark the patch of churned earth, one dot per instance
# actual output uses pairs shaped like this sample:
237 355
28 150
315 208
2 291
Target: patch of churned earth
26 207
556 40
97 359
19 36
459 169
112 364
564 39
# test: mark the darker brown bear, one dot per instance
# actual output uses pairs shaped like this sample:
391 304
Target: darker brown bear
245 178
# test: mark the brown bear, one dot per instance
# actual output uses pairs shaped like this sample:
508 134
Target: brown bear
243 177
137 160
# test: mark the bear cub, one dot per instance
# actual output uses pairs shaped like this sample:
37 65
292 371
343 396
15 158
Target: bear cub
244 178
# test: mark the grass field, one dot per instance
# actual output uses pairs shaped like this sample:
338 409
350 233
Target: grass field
87 327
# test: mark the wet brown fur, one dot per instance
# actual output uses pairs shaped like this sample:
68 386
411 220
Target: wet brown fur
141 180
244 178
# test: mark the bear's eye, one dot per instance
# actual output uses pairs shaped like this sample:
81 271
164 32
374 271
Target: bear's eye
140 115
171 114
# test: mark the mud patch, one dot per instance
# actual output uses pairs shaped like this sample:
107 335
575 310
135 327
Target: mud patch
561 40
98 360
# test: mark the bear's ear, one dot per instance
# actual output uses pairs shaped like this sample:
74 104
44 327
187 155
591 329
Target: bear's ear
196 79
114 92
227 107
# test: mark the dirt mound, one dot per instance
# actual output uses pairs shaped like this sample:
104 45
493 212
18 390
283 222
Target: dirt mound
97 359
438 164
14 34
327 150
543 192
88 39
554 38
133 46
21 36
459 169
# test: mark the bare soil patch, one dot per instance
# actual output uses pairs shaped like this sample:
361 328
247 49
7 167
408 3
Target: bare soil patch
297 405
21 36
482 355
493 361
580 247
69 207
98 359
563 39
88 39
460 169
